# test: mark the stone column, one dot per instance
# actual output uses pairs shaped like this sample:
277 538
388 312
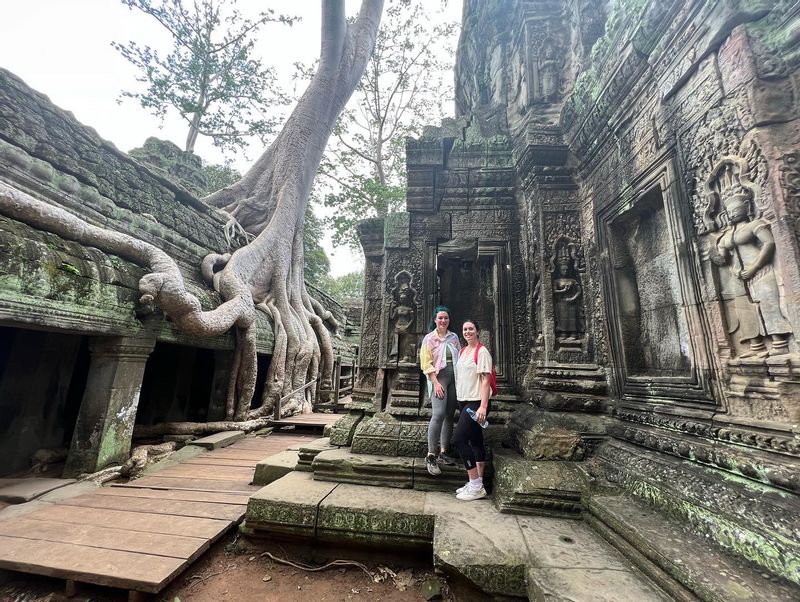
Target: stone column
104 428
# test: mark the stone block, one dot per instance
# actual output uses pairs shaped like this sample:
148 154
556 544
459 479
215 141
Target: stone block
597 585
287 506
452 477
218 440
472 540
19 491
551 488
375 516
341 432
664 549
308 451
276 466
342 466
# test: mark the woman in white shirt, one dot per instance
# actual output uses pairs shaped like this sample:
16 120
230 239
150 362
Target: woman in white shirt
472 392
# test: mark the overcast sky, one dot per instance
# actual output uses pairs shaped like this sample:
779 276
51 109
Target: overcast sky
62 48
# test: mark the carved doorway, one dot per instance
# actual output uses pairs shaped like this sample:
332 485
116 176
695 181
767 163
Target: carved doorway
471 278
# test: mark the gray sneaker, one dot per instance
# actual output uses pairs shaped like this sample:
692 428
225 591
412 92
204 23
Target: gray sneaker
470 494
432 465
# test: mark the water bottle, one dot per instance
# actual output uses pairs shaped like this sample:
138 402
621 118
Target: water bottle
474 416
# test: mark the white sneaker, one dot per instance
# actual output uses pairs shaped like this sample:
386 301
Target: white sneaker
432 465
462 488
470 494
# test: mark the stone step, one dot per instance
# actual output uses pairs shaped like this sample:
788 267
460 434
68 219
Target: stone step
748 519
402 472
275 466
681 562
549 488
309 451
502 554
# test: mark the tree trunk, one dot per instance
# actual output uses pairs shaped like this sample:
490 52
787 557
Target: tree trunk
269 201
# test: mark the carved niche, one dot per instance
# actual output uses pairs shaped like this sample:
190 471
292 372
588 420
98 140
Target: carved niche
742 246
402 347
565 265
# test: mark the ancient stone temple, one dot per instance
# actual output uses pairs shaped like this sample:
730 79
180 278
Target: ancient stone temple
82 361
616 202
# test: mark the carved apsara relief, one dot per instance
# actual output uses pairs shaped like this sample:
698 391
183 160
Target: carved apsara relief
402 347
743 247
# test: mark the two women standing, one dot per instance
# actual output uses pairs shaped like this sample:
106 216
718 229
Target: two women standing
462 375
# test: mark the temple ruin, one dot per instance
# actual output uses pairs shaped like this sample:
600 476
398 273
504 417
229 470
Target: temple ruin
617 201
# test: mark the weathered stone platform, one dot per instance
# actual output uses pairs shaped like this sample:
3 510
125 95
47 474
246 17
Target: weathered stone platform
503 555
403 472
680 561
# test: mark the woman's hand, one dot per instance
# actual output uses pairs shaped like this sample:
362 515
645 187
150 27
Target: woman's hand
480 413
438 390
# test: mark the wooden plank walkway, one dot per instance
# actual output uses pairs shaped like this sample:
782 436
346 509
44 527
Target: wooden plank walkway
307 420
140 535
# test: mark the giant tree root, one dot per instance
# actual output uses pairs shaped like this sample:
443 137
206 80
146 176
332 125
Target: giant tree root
198 428
141 456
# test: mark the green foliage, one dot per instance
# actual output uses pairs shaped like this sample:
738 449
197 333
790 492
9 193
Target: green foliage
317 266
349 287
363 172
218 177
209 76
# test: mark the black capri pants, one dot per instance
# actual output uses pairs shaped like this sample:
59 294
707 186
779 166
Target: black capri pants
469 435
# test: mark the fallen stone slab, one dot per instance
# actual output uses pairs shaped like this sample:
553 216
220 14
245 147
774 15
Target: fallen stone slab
274 467
473 540
19 491
342 466
287 506
218 440
376 516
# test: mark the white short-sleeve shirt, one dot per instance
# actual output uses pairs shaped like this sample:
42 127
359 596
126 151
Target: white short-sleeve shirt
468 384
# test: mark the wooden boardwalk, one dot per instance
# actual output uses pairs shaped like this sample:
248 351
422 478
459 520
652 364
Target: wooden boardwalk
140 535
307 420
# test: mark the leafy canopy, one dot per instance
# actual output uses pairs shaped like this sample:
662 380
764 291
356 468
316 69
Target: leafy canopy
209 76
363 171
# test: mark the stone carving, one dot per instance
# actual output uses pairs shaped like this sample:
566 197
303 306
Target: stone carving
567 294
548 70
746 246
790 182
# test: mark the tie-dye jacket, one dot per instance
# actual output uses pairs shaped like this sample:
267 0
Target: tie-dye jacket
432 357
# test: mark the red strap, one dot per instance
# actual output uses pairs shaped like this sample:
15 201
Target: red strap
477 348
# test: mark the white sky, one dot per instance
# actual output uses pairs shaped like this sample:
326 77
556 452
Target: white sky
62 48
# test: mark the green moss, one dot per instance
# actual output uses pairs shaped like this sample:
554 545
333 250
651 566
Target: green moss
779 556
68 267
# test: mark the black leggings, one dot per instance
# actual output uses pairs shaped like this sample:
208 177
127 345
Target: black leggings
469 436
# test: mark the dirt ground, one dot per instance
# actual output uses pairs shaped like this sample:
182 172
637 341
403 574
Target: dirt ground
238 570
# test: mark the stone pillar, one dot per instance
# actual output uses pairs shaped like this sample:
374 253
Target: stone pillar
223 363
104 428
367 391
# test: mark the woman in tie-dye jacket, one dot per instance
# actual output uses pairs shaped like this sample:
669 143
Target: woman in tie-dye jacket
438 355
